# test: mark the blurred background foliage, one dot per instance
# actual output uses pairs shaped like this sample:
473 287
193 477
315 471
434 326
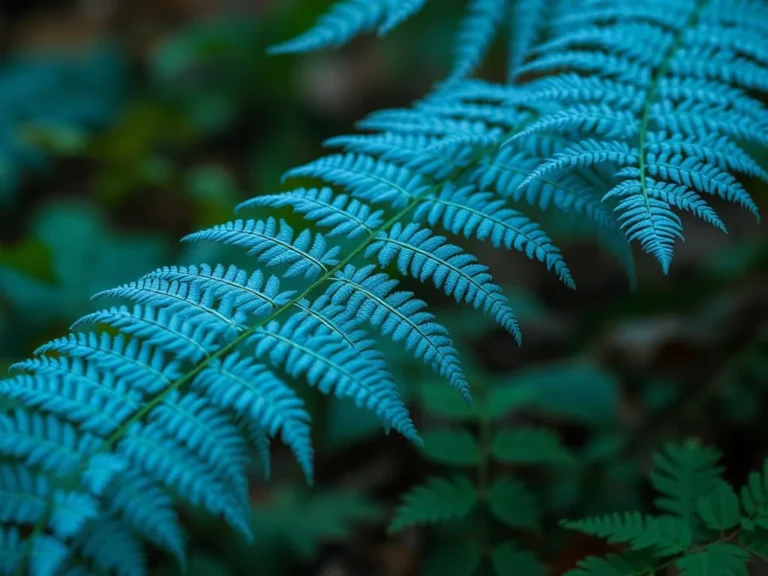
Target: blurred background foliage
124 125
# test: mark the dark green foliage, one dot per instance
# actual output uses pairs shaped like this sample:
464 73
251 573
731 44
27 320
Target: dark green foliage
703 529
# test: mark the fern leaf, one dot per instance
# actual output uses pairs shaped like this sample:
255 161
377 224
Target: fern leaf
528 17
476 31
365 177
509 558
683 474
273 244
160 328
254 393
613 565
345 216
666 536
529 446
340 24
477 214
134 363
437 500
303 346
422 255
720 507
649 220
718 558
397 12
397 314
513 504
451 447
754 499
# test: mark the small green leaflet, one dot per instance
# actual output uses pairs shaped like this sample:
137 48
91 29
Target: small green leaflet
715 560
437 499
513 504
720 508
529 446
451 447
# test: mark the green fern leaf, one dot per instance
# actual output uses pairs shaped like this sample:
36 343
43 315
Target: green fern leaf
615 565
455 558
513 504
451 447
754 499
509 558
438 499
720 508
715 560
529 446
666 535
684 473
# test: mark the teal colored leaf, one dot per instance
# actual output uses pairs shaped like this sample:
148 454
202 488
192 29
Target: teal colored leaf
509 558
529 446
720 508
437 500
455 558
451 447
718 559
513 504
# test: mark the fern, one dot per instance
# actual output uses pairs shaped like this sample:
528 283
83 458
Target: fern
651 116
455 500
165 398
704 529
347 19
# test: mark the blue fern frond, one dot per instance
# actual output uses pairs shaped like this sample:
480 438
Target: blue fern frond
527 19
470 213
365 177
649 221
341 23
254 294
372 297
584 154
345 216
112 546
158 327
424 256
680 110
254 393
135 363
476 32
397 12
273 244
173 465
303 346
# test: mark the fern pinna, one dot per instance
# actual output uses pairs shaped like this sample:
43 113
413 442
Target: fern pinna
164 396
704 527
460 503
